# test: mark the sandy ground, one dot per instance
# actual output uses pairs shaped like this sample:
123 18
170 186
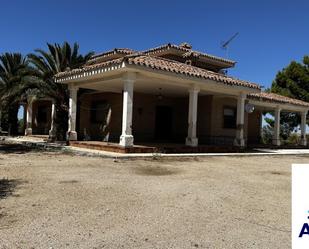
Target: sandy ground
52 200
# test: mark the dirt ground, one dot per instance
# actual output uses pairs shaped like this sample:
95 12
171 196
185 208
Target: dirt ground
53 200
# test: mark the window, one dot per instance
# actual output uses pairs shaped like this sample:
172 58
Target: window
229 118
99 110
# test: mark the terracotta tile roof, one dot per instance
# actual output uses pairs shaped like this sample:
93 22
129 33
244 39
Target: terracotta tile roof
158 63
121 51
276 98
186 49
181 68
88 68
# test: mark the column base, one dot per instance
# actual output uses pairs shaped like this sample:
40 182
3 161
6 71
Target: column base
276 142
303 142
192 141
28 131
52 135
126 140
240 142
72 136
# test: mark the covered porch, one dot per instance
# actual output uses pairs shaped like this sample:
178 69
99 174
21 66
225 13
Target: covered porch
129 107
270 102
151 107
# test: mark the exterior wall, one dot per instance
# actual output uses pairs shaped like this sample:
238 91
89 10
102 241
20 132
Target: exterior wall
40 127
254 127
204 117
94 130
210 128
144 115
219 134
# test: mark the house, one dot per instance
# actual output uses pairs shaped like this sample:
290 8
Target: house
170 94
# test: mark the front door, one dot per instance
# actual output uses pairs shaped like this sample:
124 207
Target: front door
164 123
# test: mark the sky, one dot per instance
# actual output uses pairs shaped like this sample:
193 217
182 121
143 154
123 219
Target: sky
271 33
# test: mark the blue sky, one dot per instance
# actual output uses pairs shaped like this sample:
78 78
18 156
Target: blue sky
271 33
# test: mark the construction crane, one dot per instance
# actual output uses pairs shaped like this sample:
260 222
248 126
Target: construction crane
225 45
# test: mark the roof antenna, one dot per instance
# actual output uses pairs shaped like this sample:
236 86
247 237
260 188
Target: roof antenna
225 45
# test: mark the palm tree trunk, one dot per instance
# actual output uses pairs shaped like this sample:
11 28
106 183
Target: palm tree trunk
61 120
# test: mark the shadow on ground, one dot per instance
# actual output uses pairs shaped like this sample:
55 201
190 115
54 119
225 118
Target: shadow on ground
7 187
15 148
155 171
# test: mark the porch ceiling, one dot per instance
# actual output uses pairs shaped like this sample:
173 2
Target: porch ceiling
142 85
145 85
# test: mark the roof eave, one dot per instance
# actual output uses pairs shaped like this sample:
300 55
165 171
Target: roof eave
241 88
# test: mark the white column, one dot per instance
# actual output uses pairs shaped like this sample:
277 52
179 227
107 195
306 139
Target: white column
240 140
276 135
126 138
191 139
72 134
303 127
52 131
28 130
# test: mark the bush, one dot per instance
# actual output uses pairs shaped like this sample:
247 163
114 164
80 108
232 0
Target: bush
267 134
294 138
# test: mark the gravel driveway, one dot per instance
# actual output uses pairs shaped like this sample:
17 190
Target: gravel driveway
53 200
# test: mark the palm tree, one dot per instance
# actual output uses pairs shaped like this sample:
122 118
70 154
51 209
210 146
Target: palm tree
16 77
57 59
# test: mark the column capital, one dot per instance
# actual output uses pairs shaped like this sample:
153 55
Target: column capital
194 88
278 108
72 87
243 95
129 76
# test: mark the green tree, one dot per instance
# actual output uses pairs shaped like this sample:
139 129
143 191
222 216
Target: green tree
16 77
57 59
292 81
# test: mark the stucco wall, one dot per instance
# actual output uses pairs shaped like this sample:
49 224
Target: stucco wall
144 116
218 132
144 112
94 129
254 127
209 121
204 117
